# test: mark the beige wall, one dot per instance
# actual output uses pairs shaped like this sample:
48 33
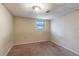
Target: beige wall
65 31
25 31
5 31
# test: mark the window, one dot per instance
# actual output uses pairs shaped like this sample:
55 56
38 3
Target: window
40 25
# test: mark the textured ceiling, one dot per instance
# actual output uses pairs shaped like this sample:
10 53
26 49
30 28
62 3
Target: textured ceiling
56 9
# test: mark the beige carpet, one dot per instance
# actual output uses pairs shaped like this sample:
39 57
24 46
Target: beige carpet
40 49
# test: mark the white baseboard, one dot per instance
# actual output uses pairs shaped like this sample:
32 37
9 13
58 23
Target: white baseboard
66 48
8 51
31 42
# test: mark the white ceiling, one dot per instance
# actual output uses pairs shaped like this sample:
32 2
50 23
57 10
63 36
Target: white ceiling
56 9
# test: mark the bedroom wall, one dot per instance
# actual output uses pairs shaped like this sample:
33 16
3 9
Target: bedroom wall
6 26
65 31
25 31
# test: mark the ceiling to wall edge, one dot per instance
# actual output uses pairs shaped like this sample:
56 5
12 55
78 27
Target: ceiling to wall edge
8 9
20 16
29 17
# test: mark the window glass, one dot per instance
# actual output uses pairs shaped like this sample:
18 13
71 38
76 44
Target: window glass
40 25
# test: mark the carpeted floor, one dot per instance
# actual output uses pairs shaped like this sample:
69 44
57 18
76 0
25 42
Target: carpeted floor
40 49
